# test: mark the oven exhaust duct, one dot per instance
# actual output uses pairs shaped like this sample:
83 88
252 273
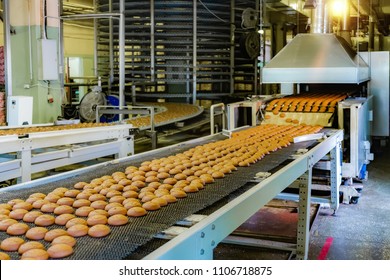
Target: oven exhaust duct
316 58
318 21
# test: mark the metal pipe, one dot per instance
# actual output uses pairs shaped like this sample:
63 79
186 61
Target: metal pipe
121 56
345 21
110 50
232 44
30 41
61 59
345 31
90 16
7 48
318 18
371 33
43 16
255 68
262 42
152 42
95 42
327 21
194 51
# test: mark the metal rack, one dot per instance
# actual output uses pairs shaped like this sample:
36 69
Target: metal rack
179 49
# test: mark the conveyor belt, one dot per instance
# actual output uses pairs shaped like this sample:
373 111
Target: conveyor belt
171 113
25 130
125 240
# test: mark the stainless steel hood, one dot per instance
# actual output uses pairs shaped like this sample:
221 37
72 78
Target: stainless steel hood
316 58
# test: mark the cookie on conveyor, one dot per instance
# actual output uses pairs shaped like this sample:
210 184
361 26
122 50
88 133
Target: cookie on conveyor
99 230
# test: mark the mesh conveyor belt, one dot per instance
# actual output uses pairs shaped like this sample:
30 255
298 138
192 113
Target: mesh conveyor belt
125 240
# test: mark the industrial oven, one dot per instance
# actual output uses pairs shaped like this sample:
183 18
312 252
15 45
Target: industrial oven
315 67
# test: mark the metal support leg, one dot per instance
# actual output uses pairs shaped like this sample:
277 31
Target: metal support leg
154 139
126 147
152 134
304 215
335 176
133 100
25 156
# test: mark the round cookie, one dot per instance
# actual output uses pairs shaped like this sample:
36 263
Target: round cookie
4 224
136 211
54 233
75 221
36 233
17 229
4 256
96 220
58 251
18 214
63 209
11 244
78 230
30 245
64 239
35 254
118 220
151 206
99 231
62 219
44 220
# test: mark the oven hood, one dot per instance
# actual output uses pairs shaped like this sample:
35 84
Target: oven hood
316 58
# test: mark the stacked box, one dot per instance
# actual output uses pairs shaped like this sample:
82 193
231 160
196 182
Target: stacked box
2 108
2 70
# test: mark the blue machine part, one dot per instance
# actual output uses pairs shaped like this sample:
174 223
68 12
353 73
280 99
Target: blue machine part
112 100
363 172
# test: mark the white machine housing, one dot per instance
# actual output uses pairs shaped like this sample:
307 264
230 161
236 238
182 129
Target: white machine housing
19 110
356 115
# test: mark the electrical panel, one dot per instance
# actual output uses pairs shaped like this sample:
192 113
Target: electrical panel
48 60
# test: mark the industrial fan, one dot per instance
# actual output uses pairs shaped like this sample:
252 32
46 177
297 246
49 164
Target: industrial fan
94 98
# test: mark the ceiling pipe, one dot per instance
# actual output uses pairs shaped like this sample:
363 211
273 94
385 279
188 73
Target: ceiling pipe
327 19
345 30
317 25
346 16
7 48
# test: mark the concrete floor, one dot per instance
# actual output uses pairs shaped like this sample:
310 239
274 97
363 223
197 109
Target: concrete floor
358 231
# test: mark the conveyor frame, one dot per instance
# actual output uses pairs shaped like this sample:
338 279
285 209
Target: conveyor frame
61 148
199 241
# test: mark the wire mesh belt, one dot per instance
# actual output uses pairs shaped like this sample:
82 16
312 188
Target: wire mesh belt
125 240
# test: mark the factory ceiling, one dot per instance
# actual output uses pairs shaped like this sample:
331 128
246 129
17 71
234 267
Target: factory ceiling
377 10
284 10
